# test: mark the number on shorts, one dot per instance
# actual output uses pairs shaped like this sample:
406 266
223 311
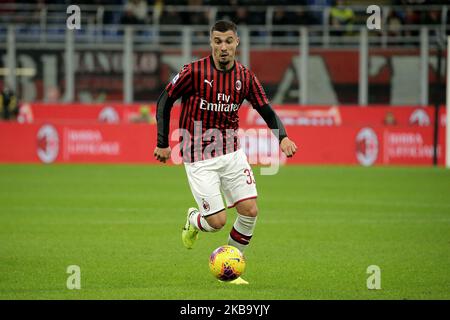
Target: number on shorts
249 174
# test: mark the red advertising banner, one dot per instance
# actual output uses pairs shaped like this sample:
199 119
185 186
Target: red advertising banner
376 116
120 133
48 143
358 145
134 143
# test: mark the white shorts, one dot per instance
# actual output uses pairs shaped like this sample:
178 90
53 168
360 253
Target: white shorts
229 174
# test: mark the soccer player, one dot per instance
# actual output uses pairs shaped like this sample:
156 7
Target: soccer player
212 89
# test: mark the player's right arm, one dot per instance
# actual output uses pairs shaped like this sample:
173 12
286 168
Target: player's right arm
179 86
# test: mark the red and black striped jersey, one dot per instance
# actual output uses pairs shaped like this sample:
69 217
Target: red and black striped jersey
210 100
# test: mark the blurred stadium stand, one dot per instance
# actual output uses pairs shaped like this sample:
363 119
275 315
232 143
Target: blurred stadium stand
168 28
270 22
312 57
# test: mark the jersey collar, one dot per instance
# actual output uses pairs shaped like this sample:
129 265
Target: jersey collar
226 71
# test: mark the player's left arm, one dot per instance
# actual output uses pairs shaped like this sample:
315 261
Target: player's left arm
288 146
259 101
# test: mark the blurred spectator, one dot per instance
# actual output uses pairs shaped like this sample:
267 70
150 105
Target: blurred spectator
227 10
342 17
144 115
283 17
412 17
194 17
241 15
250 16
316 8
302 17
283 2
8 104
279 19
411 2
135 12
193 2
243 12
199 18
170 17
389 119
158 7
394 25
8 10
432 17
52 94
111 16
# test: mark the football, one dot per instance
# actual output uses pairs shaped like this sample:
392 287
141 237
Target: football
227 263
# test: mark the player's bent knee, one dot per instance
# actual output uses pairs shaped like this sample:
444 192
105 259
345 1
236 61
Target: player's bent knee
218 220
251 212
248 209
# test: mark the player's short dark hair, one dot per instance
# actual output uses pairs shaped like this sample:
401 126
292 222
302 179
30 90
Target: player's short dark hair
224 26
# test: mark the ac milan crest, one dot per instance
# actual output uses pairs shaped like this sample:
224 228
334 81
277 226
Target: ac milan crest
366 146
238 85
47 143
205 205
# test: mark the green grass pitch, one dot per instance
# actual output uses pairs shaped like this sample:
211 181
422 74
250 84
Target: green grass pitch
319 229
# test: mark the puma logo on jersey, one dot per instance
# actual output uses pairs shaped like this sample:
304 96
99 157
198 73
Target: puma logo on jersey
174 80
210 83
